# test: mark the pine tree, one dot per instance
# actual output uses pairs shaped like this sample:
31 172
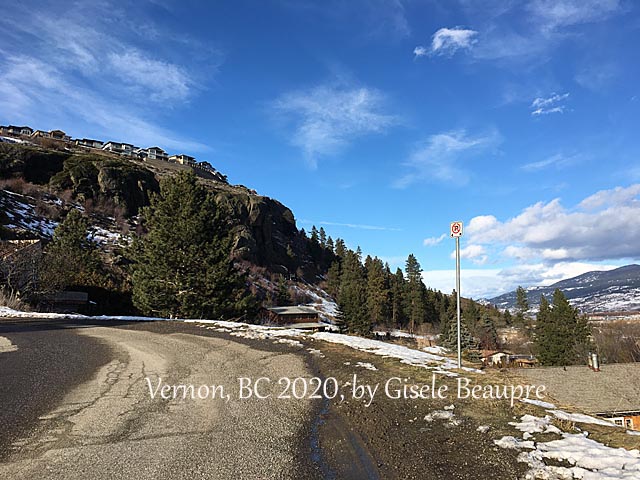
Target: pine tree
315 236
397 298
333 279
522 304
283 297
377 292
414 301
323 238
340 248
561 334
330 245
352 298
508 319
182 266
72 258
487 333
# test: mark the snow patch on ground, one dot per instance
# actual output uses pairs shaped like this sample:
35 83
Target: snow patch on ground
6 345
588 458
439 364
580 418
446 415
368 366
539 403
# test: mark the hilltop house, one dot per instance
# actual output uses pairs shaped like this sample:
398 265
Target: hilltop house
183 159
14 130
156 153
125 149
52 134
87 142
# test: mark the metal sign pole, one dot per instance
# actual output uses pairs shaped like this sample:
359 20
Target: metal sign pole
458 298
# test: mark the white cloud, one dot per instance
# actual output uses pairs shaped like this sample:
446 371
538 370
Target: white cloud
546 25
447 41
432 241
552 14
48 100
91 73
420 51
474 283
603 226
328 118
161 81
476 253
360 226
557 161
547 105
491 282
438 158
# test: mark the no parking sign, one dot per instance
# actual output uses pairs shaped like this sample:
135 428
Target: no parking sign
456 229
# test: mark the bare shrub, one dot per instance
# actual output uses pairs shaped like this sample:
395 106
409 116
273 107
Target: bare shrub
618 342
12 300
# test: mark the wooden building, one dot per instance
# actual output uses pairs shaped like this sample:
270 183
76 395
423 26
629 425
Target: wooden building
294 317
613 393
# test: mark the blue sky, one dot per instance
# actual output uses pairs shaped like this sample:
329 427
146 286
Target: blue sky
381 121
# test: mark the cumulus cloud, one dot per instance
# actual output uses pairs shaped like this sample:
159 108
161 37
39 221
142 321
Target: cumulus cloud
547 105
602 227
447 41
439 157
476 253
327 118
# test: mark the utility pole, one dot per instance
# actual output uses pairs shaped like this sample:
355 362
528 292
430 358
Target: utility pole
456 232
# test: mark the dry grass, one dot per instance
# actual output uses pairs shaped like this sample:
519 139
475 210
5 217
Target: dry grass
12 300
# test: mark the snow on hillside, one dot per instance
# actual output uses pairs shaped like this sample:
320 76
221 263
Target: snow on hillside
23 217
615 290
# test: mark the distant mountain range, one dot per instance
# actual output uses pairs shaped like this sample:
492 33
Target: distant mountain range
615 290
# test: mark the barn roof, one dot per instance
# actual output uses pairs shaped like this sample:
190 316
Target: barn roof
615 388
293 310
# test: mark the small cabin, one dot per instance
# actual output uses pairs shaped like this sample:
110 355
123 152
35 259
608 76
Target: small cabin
294 317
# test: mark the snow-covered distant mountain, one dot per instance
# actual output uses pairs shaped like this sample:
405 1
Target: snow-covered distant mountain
592 292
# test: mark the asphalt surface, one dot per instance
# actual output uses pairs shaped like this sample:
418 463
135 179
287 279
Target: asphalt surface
48 362
76 405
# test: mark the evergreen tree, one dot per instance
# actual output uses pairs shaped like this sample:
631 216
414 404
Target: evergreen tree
72 258
182 265
315 236
323 237
340 248
283 297
352 298
397 298
522 304
471 315
508 319
415 298
333 279
377 292
561 334
487 333
330 246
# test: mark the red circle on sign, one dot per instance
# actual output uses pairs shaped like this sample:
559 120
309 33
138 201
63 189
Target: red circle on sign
455 228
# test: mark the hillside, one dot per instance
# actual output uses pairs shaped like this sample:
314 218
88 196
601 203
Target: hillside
615 290
265 231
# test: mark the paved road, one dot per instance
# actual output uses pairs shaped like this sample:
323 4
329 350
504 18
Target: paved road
105 424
